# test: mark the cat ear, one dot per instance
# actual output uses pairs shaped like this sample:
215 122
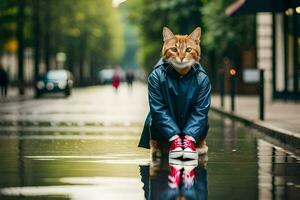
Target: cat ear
195 35
167 34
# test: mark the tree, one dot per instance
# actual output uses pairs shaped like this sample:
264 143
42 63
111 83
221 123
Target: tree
93 36
8 23
182 16
20 36
90 32
36 24
222 36
129 59
224 33
225 37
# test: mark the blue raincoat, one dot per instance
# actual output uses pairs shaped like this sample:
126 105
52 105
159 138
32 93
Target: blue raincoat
179 104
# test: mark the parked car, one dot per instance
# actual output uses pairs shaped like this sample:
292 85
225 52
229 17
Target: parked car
54 81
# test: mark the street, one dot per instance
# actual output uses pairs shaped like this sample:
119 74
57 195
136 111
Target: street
85 147
222 78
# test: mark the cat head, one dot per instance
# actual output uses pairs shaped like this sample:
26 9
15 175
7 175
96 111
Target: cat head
181 50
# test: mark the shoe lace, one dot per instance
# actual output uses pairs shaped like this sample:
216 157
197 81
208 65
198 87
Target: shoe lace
178 142
187 143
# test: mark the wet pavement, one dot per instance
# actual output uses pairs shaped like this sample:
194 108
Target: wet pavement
84 148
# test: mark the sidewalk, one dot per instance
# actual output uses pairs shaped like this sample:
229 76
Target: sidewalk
282 119
13 94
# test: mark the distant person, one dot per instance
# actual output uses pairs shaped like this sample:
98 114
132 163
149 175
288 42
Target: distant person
116 79
129 78
3 81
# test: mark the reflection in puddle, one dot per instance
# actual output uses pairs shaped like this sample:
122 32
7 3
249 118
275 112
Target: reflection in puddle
83 188
242 165
182 180
108 158
278 173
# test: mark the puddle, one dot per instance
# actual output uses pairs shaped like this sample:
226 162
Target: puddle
241 165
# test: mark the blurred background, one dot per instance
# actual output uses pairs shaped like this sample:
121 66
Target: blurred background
85 37
98 55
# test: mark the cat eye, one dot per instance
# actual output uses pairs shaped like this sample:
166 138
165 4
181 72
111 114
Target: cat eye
174 49
188 49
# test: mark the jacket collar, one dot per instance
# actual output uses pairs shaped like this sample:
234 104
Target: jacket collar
196 68
159 63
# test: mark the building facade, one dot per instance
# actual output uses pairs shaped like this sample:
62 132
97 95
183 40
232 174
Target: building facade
277 44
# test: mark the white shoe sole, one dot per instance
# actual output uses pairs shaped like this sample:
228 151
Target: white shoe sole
174 161
193 162
190 155
175 154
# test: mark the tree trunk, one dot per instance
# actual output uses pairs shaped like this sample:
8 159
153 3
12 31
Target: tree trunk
47 36
82 45
20 36
93 72
36 19
71 58
213 70
81 63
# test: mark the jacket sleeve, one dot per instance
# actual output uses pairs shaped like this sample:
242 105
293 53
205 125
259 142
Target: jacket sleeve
160 113
197 123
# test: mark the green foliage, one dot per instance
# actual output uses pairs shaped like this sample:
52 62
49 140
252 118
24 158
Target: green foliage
223 33
92 26
129 59
89 30
182 16
8 25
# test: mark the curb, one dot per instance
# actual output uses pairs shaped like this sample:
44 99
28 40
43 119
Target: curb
14 99
285 136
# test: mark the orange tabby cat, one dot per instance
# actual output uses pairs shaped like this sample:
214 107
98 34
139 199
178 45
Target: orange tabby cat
182 51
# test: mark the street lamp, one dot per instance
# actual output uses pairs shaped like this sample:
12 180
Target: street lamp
232 73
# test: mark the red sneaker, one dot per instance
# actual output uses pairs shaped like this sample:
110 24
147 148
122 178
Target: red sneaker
176 150
174 176
189 146
189 176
